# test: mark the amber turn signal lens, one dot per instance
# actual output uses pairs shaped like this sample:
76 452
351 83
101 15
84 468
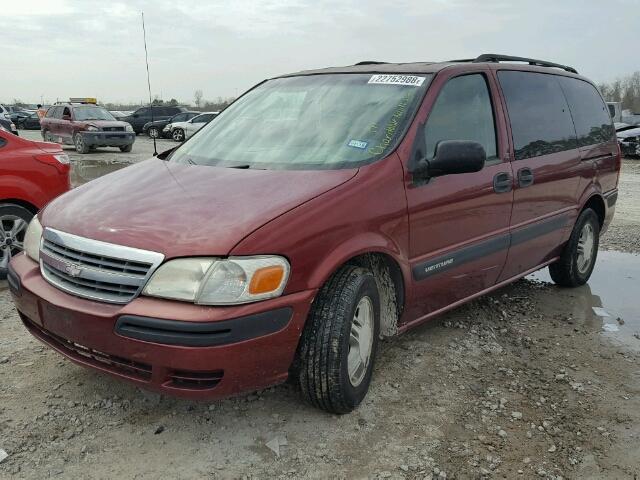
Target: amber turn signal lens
266 280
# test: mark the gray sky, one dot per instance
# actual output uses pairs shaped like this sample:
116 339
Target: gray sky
63 48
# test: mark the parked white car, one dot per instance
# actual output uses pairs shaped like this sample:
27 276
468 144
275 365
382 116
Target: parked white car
180 131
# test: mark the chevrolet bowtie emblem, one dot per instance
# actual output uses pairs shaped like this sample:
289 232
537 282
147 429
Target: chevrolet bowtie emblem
73 270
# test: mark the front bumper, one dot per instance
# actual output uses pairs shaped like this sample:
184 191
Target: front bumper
196 352
108 139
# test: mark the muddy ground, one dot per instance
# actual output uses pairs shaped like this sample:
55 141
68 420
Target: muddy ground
529 382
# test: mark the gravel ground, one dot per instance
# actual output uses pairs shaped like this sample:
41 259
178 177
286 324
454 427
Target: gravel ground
519 384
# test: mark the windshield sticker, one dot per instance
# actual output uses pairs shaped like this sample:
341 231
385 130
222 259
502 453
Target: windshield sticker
392 126
409 80
358 144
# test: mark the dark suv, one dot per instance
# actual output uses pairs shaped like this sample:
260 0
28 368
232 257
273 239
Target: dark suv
142 116
318 213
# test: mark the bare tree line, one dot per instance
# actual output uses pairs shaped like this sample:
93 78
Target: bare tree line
625 90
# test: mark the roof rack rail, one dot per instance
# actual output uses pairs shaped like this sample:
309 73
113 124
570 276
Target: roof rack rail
493 57
370 62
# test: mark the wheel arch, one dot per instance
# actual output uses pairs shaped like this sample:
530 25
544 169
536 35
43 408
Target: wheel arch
21 203
597 204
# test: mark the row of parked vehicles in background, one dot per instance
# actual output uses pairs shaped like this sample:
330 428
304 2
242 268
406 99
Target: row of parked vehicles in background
61 123
168 122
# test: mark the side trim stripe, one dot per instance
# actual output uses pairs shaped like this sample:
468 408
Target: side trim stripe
524 234
501 242
464 255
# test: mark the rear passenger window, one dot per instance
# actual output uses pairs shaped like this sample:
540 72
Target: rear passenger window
540 119
463 111
590 114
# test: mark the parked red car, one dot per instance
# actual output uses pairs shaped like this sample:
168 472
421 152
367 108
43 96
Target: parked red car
319 212
85 125
31 174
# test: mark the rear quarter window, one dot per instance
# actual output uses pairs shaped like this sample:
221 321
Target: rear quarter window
590 114
540 119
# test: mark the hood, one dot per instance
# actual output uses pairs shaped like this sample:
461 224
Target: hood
105 123
184 210
632 132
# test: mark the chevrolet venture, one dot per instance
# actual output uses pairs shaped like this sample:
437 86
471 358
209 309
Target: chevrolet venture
322 211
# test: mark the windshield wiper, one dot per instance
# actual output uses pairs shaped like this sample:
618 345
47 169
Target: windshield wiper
245 167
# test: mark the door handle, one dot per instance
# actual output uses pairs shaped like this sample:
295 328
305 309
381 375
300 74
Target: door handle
502 182
525 177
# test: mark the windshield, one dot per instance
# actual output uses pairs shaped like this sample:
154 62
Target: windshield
92 113
309 122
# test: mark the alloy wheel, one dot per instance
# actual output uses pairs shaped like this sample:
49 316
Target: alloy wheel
12 231
79 144
360 341
178 135
586 244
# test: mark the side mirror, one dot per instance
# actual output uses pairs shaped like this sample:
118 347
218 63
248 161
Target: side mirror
452 157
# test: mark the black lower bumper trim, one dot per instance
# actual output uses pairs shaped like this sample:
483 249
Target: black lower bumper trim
201 334
14 282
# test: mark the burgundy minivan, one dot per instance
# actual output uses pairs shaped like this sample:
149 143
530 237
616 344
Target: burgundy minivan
322 211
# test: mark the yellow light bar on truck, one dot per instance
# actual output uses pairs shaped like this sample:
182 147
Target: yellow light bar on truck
83 100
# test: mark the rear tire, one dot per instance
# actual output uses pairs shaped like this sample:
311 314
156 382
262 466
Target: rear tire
126 148
13 224
579 255
338 346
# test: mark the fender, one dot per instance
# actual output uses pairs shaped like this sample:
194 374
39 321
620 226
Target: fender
21 189
366 242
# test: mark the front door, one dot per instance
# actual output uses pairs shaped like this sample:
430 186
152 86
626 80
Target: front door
546 164
66 126
459 224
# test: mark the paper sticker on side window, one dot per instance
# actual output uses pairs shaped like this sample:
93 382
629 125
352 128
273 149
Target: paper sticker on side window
409 80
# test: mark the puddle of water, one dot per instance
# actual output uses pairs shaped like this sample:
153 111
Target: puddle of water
611 300
87 170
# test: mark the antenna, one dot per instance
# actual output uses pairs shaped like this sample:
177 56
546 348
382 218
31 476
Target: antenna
146 57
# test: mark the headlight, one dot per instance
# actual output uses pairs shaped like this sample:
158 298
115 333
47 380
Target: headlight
91 128
32 240
128 128
214 281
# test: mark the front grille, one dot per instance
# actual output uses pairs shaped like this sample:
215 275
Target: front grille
112 363
113 129
93 269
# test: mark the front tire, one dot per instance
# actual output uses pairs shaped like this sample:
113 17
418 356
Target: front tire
126 148
81 146
178 135
579 255
153 132
14 220
338 346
